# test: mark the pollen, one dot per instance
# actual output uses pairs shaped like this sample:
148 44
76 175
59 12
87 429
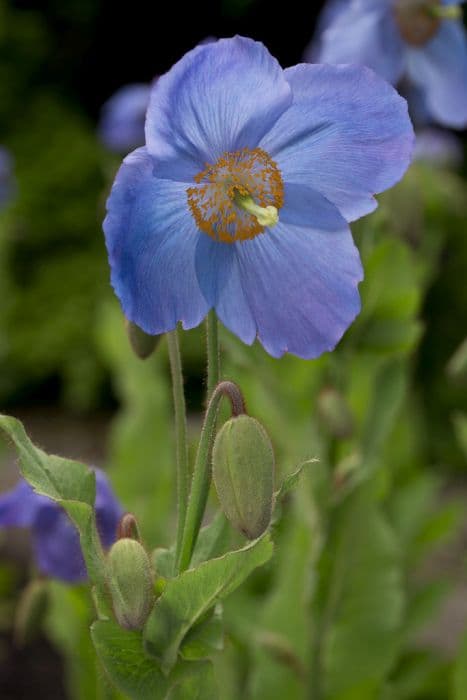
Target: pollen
418 20
238 197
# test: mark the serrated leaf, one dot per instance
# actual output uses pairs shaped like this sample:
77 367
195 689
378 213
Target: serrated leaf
189 596
290 481
69 483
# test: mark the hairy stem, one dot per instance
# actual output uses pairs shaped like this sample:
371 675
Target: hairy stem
183 473
202 469
213 351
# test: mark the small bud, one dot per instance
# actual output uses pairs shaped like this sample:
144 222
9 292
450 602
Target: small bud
243 473
30 612
143 345
130 580
335 413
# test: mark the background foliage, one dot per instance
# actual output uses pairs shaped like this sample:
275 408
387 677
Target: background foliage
360 570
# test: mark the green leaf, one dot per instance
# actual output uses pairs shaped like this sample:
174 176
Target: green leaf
163 561
69 483
361 604
388 395
196 684
282 639
460 429
205 638
69 617
459 690
213 540
291 480
187 598
122 655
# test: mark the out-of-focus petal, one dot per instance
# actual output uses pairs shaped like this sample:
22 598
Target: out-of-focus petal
439 147
347 135
57 546
121 127
19 507
108 510
363 33
440 68
151 238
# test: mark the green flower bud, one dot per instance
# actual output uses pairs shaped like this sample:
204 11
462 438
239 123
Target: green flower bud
243 473
143 345
335 413
30 612
130 579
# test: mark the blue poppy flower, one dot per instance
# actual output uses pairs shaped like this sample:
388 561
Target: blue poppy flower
240 199
55 539
121 127
6 176
423 40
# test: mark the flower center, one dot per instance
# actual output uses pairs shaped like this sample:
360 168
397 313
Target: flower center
238 196
419 20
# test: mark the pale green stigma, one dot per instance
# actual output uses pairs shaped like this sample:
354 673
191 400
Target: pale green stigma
265 216
445 11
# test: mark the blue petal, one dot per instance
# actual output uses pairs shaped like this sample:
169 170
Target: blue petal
364 33
330 13
219 97
347 135
19 507
151 239
108 510
440 69
219 276
56 545
295 286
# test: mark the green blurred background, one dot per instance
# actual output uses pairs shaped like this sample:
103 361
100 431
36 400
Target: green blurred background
66 368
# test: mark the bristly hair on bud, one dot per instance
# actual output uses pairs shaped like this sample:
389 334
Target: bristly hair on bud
243 473
130 581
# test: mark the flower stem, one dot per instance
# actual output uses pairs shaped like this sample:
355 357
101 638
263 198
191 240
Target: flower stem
202 469
213 351
183 474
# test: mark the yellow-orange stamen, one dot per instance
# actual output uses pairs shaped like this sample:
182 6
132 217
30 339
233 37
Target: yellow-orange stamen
238 196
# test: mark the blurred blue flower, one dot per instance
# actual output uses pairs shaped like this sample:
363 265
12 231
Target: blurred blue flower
423 40
240 199
6 176
121 127
55 539
438 147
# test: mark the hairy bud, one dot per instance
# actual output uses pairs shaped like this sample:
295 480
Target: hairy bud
243 473
130 579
